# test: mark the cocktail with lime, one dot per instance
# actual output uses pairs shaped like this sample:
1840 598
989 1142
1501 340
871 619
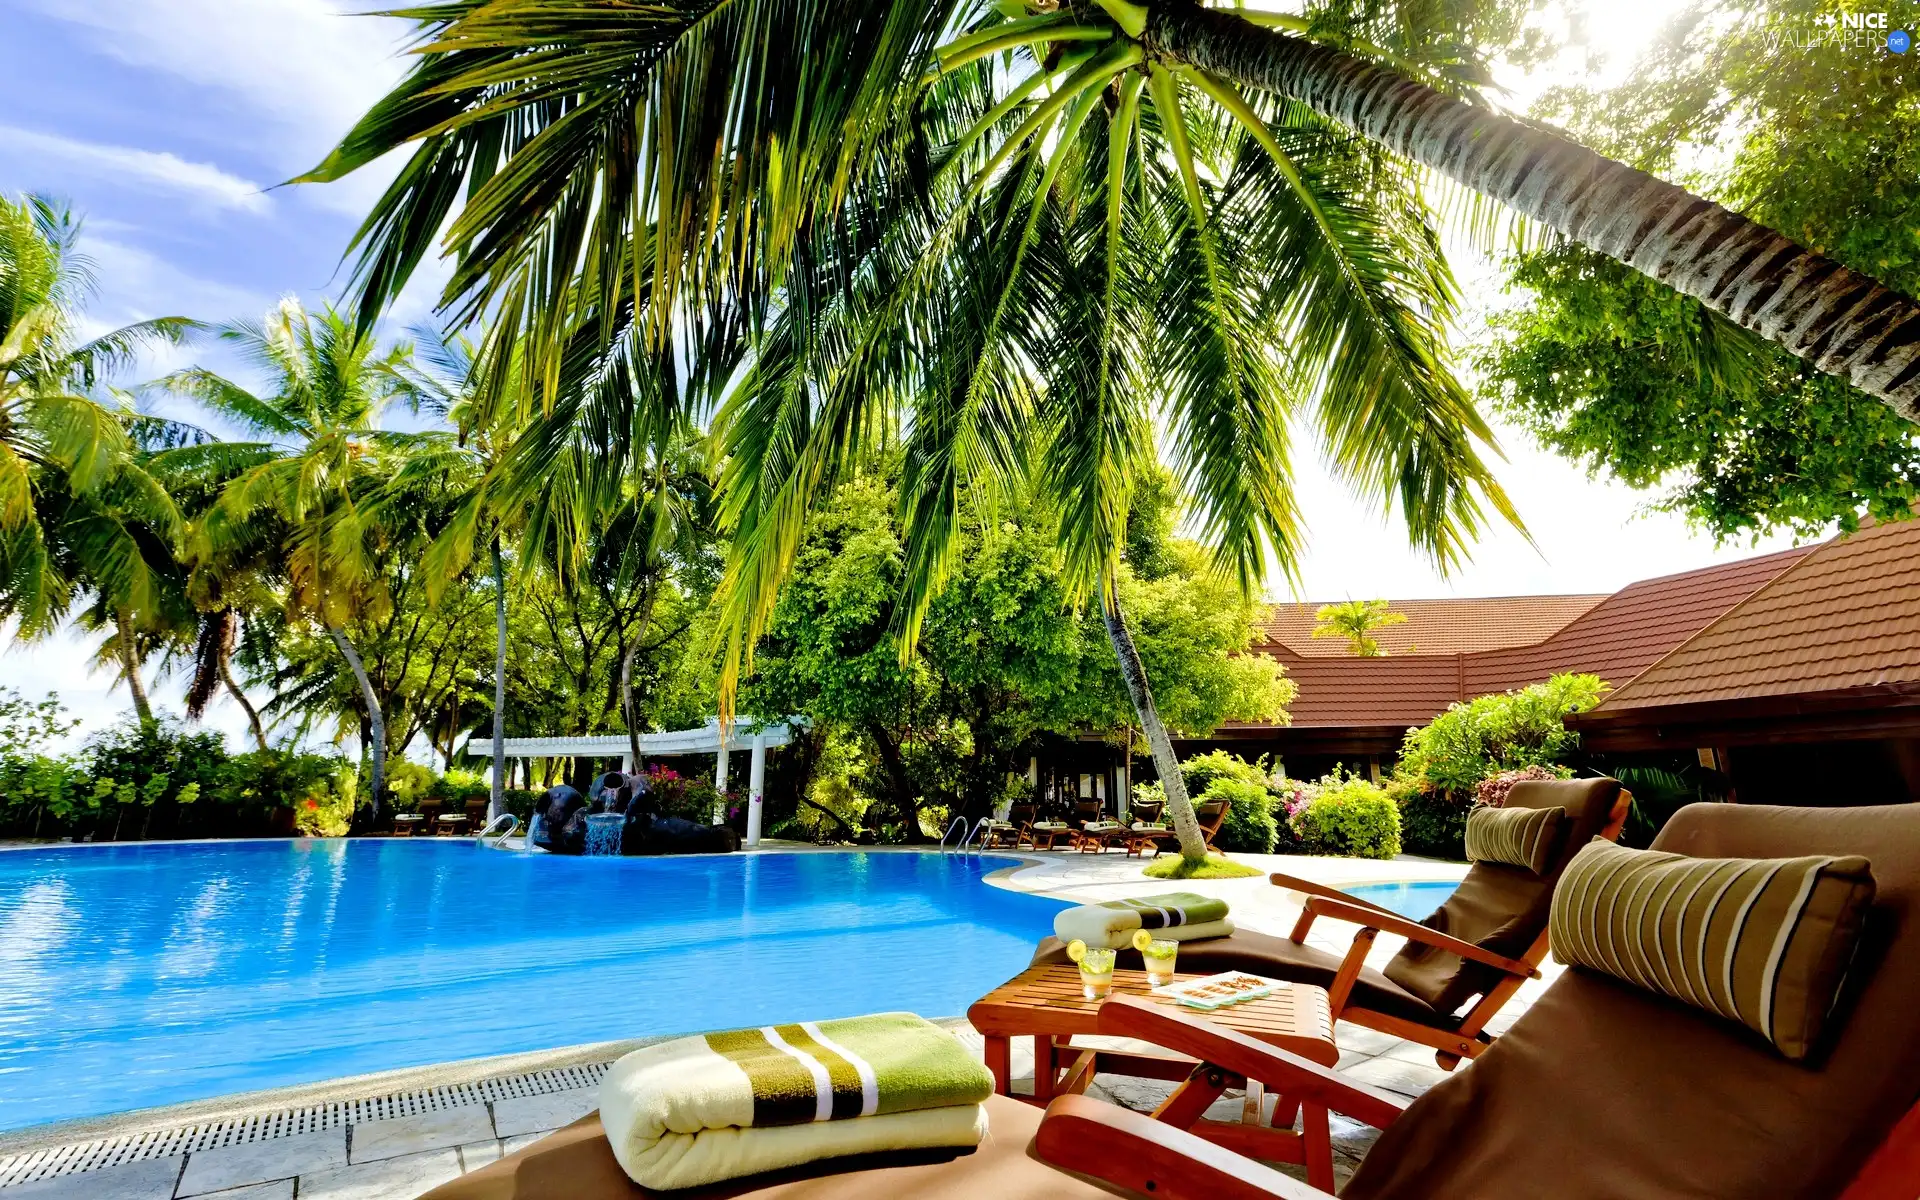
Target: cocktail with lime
1158 956
1096 968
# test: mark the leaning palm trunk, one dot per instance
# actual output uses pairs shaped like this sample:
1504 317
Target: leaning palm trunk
1838 319
130 667
497 801
1186 826
376 720
253 714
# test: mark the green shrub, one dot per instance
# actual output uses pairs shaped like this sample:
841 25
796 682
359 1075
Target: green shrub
1434 823
1505 732
1350 817
1249 826
1202 770
458 787
1442 763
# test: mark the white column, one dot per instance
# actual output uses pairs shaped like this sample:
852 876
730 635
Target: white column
756 782
626 764
720 783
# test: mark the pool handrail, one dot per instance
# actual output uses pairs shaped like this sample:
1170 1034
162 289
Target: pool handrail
962 823
513 824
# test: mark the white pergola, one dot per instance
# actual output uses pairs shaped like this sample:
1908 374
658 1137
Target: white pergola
707 739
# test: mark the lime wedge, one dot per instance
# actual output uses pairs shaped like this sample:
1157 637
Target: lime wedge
1142 939
1076 950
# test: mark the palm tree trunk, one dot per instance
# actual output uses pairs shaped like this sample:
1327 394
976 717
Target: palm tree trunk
627 712
376 746
253 715
130 667
1836 318
1186 827
497 802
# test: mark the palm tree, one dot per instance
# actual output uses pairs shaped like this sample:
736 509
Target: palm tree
569 127
1020 227
79 514
321 459
1355 620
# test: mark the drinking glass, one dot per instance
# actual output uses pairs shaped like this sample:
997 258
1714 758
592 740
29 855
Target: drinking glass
1158 957
1096 973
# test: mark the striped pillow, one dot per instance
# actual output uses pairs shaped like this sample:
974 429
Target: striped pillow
1761 941
1520 837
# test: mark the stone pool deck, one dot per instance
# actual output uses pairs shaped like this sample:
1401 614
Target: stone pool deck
396 1135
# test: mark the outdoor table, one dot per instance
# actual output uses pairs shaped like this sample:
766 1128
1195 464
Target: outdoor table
1046 1003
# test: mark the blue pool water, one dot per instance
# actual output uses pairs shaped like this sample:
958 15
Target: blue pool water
152 974
1415 900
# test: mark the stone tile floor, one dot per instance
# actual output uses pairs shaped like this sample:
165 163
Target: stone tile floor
404 1157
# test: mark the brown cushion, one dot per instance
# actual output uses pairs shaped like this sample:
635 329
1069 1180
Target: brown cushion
1499 907
1275 958
1761 941
1610 1091
1518 837
577 1164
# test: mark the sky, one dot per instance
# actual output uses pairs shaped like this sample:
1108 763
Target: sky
170 123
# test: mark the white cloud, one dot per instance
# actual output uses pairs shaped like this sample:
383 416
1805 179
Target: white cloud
139 169
311 66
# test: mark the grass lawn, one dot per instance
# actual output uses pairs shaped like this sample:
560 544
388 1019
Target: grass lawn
1216 866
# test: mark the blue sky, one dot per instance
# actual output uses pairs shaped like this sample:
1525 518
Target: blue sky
167 122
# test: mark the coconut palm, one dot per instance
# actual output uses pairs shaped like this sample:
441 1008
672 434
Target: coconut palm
79 514
320 459
1355 620
554 133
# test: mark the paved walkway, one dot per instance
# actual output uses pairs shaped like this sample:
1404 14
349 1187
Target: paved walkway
403 1156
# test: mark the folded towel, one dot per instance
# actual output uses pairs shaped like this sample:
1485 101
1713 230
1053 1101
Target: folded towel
1150 827
1177 916
1100 826
697 1110
1050 825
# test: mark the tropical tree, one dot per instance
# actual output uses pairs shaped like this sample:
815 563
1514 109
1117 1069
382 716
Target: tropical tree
79 514
717 137
1355 620
1018 226
312 476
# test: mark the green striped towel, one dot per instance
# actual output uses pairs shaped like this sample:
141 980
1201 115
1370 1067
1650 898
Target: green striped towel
1181 916
716 1106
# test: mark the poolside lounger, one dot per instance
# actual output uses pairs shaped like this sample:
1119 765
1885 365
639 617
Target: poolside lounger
1601 1090
1487 939
1048 832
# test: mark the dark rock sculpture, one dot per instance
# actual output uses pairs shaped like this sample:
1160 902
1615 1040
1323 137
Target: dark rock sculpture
560 821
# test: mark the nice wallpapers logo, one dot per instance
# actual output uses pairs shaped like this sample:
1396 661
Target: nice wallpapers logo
1870 32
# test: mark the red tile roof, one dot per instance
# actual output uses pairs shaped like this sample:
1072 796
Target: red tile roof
1617 638
1846 616
1434 626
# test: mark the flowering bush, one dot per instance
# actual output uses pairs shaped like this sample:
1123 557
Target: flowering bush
1492 791
1350 816
688 797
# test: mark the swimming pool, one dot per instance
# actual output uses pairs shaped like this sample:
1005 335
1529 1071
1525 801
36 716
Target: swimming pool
139 975
1409 898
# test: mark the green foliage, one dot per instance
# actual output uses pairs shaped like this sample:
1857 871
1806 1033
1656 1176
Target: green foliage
1249 824
27 725
1628 377
1349 816
319 788
1002 658
1441 763
1215 866
1202 771
409 782
1355 620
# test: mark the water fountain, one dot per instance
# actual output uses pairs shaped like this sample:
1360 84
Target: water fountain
603 833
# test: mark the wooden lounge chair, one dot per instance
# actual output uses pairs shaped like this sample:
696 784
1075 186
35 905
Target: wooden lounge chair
1600 1091
1093 832
1487 939
1046 833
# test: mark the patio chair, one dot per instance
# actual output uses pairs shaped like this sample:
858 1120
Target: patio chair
1048 831
1092 832
1460 965
1601 1090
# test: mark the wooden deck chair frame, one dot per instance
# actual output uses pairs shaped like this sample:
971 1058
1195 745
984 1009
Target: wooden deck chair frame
1450 1045
1197 1158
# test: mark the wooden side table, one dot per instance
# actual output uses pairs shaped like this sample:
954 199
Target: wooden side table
1046 1003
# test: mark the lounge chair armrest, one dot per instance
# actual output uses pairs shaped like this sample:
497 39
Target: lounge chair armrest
1294 883
1143 1156
1393 923
1156 1022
